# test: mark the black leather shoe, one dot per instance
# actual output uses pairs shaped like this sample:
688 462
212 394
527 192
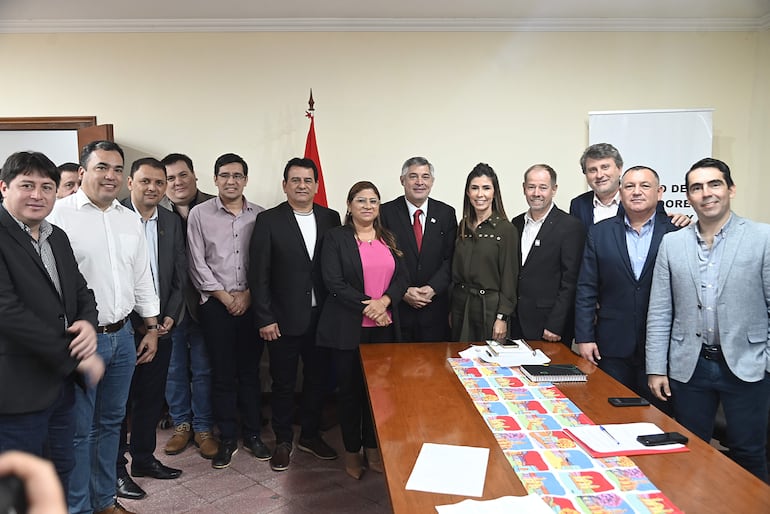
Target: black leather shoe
256 447
281 457
129 489
317 447
155 470
225 454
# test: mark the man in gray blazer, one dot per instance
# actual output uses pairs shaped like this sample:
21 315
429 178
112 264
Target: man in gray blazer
708 333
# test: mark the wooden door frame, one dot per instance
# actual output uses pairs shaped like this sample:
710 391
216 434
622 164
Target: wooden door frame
47 123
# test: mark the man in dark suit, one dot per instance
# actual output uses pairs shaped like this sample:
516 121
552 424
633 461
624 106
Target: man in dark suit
168 262
615 280
188 386
551 249
601 164
287 294
425 230
47 317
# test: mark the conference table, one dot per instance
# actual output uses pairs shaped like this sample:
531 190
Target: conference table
417 398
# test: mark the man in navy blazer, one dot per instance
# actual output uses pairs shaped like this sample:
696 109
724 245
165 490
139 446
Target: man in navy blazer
551 248
601 164
47 317
168 263
425 306
613 287
287 293
708 333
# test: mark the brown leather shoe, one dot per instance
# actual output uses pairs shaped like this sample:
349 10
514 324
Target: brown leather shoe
179 441
115 508
207 444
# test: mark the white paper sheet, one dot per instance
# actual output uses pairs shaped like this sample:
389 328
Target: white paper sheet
448 469
531 504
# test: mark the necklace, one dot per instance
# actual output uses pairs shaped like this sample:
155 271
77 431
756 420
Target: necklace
367 239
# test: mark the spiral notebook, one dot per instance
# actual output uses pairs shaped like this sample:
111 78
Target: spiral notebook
553 373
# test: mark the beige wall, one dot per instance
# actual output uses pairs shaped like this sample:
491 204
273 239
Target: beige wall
509 99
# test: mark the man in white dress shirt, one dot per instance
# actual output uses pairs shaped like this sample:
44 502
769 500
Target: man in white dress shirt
110 248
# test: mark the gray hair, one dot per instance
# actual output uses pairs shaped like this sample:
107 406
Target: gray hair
416 161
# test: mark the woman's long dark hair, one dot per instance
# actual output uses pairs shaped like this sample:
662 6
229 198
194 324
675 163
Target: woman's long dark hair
380 232
469 221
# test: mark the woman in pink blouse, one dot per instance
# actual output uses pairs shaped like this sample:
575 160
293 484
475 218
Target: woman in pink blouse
362 268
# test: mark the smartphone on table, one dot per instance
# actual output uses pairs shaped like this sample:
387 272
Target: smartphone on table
634 401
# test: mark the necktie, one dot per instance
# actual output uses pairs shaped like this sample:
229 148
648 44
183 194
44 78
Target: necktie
417 227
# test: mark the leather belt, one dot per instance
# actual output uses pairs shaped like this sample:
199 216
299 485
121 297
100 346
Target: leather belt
711 353
109 329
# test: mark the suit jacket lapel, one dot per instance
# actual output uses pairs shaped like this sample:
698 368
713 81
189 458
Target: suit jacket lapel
619 234
23 239
732 242
658 231
407 225
691 252
295 231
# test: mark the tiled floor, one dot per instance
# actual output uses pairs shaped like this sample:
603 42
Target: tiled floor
249 486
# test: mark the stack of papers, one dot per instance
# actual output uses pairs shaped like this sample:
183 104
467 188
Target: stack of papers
619 439
507 358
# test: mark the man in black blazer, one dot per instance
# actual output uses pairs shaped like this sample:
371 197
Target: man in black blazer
615 279
287 294
168 263
424 311
47 317
601 164
551 248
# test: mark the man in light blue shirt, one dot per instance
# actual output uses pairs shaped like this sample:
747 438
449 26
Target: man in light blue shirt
614 282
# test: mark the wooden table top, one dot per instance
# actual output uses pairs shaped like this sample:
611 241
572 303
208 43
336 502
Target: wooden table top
417 398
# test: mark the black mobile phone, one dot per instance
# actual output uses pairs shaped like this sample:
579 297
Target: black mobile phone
627 402
509 342
664 438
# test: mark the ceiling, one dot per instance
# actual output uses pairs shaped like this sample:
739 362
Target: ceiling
394 15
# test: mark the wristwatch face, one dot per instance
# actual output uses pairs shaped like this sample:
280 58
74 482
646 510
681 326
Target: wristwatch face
500 316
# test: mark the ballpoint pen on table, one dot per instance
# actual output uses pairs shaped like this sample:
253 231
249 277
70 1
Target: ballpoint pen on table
601 427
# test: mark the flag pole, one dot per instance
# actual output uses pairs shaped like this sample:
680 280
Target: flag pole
311 151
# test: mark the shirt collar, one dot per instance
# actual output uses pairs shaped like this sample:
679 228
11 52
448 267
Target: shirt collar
154 216
720 233
646 224
45 229
412 208
220 205
529 219
82 199
615 200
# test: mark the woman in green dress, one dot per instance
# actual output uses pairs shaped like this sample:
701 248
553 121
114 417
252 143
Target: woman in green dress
486 262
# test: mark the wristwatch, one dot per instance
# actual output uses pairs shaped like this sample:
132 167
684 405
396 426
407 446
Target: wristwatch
502 317
152 327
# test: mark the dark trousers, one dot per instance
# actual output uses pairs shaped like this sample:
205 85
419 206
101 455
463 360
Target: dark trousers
284 358
354 410
422 325
745 404
145 407
234 350
47 433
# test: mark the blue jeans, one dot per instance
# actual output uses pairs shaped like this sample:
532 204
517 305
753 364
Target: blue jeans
745 404
189 366
98 415
46 433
